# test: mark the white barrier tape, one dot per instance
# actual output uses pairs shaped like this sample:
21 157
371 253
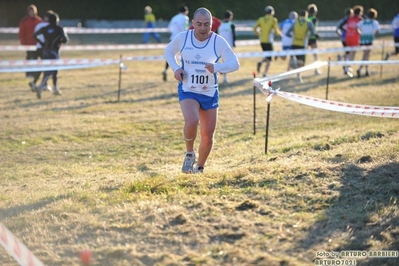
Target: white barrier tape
349 108
358 63
262 82
8 48
144 58
48 68
48 65
17 249
79 30
305 51
56 62
264 85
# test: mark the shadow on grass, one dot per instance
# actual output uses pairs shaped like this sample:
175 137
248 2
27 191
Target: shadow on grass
20 209
364 213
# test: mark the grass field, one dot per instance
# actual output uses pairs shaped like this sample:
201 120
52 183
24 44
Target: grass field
82 171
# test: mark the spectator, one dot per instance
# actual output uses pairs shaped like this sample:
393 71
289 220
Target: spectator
299 32
264 28
352 37
312 11
39 50
54 35
228 31
149 21
284 26
367 28
198 84
26 28
395 27
348 12
176 25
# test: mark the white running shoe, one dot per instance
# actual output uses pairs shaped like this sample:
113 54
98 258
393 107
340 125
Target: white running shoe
47 88
188 163
56 91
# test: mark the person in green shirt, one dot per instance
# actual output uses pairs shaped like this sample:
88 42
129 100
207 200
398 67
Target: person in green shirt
299 31
312 11
265 28
149 21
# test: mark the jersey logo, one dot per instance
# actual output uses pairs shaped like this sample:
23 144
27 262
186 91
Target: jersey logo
197 57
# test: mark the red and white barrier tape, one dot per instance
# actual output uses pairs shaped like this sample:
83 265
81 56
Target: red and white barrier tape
349 108
17 249
79 30
101 47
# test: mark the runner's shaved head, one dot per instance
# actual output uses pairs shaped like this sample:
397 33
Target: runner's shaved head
203 12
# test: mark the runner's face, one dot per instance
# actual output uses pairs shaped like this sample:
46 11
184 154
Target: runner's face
202 26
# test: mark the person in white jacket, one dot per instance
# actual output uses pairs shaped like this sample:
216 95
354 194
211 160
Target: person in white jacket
179 23
228 31
203 54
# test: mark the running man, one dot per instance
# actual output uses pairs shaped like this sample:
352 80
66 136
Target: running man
352 37
176 25
299 31
264 28
203 55
149 21
39 50
228 31
367 28
54 35
26 28
348 12
395 27
312 13
286 41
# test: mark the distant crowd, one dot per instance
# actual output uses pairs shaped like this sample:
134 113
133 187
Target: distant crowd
298 31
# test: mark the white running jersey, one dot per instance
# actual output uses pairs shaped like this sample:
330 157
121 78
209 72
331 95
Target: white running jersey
178 23
285 26
226 32
193 59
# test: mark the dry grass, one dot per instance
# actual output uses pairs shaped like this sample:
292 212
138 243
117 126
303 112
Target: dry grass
82 171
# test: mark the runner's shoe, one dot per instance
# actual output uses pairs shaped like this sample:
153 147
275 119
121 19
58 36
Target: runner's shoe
258 65
47 88
299 79
293 63
32 86
56 91
198 170
188 163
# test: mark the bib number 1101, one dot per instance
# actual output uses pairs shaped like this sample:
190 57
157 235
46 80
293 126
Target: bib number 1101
198 79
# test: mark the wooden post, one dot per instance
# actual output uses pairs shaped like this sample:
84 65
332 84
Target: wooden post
328 76
267 122
382 56
254 96
120 78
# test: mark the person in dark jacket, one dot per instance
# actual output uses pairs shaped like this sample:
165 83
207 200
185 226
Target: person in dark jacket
54 36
